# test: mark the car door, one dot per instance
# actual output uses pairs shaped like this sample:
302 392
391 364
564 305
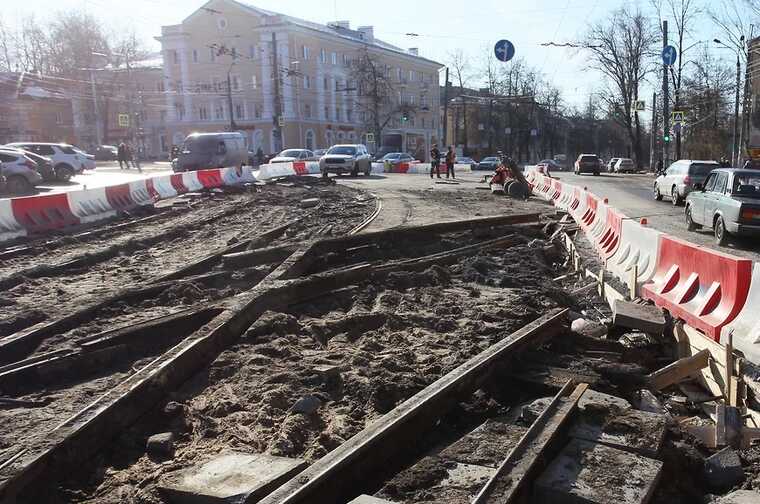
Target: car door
712 197
697 200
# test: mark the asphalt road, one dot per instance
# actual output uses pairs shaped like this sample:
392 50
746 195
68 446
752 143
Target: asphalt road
632 194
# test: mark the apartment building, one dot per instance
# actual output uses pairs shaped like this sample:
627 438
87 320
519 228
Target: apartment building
292 83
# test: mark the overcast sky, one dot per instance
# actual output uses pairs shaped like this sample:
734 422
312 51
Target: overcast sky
443 26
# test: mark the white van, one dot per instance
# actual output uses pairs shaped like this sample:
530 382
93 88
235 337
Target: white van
211 150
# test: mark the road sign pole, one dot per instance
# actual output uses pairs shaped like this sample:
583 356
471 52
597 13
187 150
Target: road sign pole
665 98
734 143
653 136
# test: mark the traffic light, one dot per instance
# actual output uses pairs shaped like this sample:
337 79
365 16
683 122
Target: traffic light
405 117
666 138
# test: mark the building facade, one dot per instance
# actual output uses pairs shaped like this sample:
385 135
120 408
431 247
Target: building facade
288 83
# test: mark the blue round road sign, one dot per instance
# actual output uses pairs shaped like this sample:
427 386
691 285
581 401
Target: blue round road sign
504 50
669 55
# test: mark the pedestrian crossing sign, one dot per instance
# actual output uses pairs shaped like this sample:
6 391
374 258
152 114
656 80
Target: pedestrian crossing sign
640 105
677 117
123 120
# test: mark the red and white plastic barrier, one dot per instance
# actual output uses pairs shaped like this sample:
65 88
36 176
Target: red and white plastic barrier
745 328
638 249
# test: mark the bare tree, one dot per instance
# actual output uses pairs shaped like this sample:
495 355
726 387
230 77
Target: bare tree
622 48
460 66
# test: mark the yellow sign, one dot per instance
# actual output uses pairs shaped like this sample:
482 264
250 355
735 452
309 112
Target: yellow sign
124 120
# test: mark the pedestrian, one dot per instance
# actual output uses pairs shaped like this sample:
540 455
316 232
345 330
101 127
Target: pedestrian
435 161
451 157
139 157
121 155
658 167
259 157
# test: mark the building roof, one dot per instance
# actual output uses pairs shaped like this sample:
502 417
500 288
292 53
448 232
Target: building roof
25 85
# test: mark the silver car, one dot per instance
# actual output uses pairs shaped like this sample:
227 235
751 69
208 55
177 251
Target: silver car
729 203
292 155
680 177
20 172
351 158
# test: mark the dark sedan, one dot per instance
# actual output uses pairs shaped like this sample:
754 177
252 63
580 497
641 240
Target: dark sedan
729 203
488 163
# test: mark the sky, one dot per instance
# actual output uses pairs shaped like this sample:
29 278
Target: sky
443 27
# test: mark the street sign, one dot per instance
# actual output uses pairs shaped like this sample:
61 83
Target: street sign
640 105
481 127
281 121
677 117
507 131
504 50
370 137
123 120
669 55
677 128
534 132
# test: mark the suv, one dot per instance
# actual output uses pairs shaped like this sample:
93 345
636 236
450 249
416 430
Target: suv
67 162
680 178
587 163
624 165
20 172
350 158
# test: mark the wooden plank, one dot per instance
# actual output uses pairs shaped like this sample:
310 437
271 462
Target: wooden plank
679 370
522 461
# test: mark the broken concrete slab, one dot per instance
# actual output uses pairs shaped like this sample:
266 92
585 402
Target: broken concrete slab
647 318
594 399
739 497
631 430
486 445
368 499
592 473
229 477
647 401
723 469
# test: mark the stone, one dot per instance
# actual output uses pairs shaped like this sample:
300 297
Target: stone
592 473
739 497
588 328
646 401
327 371
368 499
594 399
161 444
637 339
229 477
531 411
723 469
647 318
307 405
309 202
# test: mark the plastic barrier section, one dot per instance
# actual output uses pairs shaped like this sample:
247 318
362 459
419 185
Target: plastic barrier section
142 192
210 179
119 197
43 213
704 287
638 249
9 226
90 204
178 182
609 241
746 326
590 214
191 181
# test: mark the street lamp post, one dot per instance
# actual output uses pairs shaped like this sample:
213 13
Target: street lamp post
734 145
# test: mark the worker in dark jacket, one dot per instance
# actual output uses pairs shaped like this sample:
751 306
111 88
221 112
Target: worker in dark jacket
435 161
451 158
121 155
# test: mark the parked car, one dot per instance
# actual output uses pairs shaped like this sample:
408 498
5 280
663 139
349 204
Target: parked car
349 158
89 159
290 155
624 165
561 160
679 179
396 158
382 151
106 153
468 161
67 162
211 150
19 171
318 153
488 163
728 202
611 165
546 166
587 163
44 164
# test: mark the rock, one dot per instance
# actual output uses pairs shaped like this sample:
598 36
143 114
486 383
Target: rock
648 402
173 408
368 499
161 444
307 405
599 400
531 411
739 497
309 202
723 469
573 316
637 340
588 328
647 318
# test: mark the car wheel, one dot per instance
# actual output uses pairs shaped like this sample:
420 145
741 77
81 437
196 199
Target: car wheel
721 235
657 194
64 172
596 174
17 184
675 198
690 224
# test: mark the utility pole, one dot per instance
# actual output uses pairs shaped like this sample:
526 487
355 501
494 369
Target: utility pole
746 104
734 142
229 99
446 111
665 104
277 105
653 136
98 135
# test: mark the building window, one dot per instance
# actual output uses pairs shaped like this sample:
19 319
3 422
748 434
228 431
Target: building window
212 54
327 113
345 59
306 82
234 53
337 114
337 85
307 111
411 99
423 100
305 52
254 82
326 84
239 111
203 113
162 143
175 56
398 74
423 123
349 115
322 56
310 136
218 111
195 55
160 86
59 117
180 111
334 58
252 52
411 75
235 79
162 116
257 112
400 98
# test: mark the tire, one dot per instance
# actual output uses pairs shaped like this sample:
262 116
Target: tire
690 224
656 192
596 174
16 184
721 235
675 198
64 172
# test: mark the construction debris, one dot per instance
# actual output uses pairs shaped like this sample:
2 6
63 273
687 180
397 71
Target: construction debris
724 469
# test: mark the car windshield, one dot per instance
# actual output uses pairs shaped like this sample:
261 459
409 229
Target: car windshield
747 185
67 149
290 153
701 169
488 160
392 155
590 159
343 150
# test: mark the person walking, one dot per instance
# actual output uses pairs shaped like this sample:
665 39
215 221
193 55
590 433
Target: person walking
450 159
259 157
435 161
139 157
121 155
